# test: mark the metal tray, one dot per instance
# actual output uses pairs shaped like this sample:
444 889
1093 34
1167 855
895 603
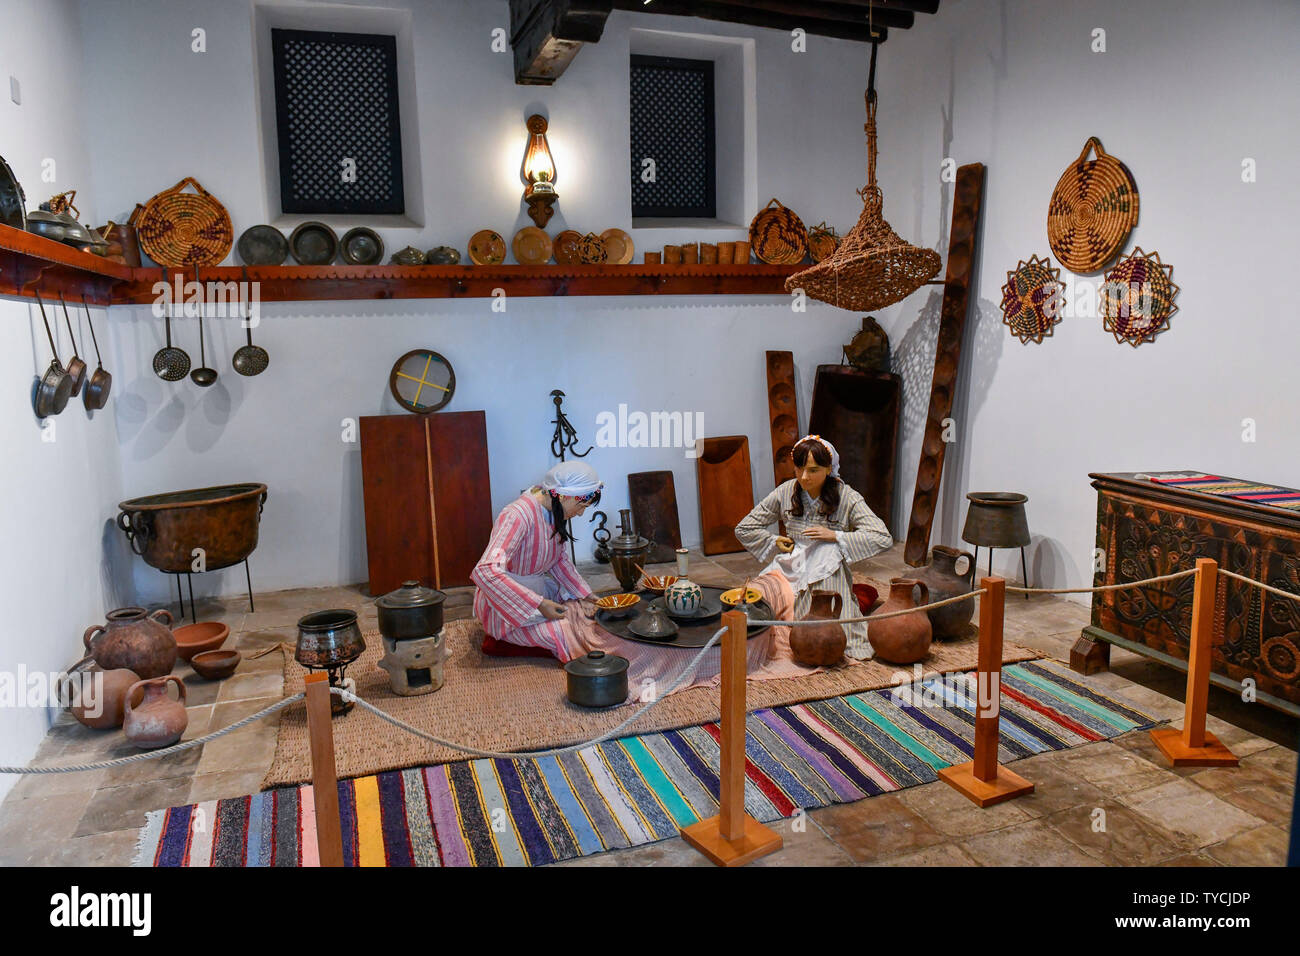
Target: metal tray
689 634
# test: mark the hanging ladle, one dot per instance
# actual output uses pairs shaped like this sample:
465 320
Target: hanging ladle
96 393
76 367
249 359
202 376
55 388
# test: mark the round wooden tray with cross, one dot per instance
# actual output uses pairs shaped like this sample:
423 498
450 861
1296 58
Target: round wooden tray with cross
422 381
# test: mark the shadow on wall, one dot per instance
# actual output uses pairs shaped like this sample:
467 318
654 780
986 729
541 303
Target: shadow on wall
352 522
115 567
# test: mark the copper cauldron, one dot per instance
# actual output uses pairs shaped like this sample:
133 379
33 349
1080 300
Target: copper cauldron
222 521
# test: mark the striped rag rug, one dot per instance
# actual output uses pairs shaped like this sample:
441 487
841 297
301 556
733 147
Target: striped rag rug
1252 491
635 790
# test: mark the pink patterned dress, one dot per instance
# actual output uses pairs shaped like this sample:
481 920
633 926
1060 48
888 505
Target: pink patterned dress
524 546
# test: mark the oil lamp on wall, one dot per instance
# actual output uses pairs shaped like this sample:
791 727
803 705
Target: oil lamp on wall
538 173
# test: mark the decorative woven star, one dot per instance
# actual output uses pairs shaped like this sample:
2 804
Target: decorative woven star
1137 298
1032 299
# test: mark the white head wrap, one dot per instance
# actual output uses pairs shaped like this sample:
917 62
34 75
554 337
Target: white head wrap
572 478
835 456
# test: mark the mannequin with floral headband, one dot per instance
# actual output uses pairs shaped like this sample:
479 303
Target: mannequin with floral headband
828 527
525 576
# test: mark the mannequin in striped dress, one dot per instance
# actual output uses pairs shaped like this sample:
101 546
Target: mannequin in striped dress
828 527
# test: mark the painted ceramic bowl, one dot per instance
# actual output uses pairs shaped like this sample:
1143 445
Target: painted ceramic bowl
618 605
657 582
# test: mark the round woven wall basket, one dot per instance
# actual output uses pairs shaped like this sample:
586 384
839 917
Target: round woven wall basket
778 236
822 242
1032 299
1137 298
179 229
1094 207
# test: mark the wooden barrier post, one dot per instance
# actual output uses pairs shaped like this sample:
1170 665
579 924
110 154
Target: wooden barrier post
324 777
1194 746
733 837
983 780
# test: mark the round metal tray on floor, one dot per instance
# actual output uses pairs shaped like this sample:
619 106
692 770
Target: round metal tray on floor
688 634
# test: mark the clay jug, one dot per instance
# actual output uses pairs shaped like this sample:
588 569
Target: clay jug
101 707
820 645
941 577
133 639
157 721
904 639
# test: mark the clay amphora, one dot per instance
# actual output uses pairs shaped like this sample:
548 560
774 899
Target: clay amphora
820 645
941 577
108 698
157 721
905 639
133 639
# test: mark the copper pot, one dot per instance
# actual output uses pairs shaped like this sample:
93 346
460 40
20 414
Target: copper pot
165 529
134 639
820 645
904 639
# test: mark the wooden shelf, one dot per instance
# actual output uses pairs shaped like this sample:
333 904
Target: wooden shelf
30 263
315 283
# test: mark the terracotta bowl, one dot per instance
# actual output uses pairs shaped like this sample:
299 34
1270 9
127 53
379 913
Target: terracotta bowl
216 665
657 582
194 639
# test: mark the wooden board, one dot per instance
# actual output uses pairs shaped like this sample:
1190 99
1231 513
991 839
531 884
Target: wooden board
857 412
952 320
782 413
428 502
726 491
653 499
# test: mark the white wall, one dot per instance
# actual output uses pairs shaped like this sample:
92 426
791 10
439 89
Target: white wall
60 567
1185 91
330 361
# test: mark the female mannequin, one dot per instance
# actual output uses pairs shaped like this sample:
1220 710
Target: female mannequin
828 526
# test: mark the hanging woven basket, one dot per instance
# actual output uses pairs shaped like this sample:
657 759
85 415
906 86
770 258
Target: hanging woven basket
179 229
1094 207
872 267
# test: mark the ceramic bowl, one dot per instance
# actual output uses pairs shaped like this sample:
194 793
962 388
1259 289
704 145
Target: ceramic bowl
657 582
752 596
618 605
216 665
194 639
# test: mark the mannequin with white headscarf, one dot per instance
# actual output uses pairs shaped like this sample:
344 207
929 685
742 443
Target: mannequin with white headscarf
526 575
828 527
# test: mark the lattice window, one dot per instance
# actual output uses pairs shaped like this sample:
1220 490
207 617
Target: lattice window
338 122
672 123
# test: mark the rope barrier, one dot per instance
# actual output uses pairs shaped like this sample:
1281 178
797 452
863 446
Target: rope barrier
1261 585
533 754
1106 587
164 751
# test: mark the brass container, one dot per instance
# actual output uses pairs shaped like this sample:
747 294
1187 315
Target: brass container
627 551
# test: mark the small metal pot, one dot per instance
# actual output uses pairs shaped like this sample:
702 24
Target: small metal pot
411 611
329 639
597 680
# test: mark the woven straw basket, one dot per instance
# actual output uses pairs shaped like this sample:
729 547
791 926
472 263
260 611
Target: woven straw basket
1093 209
179 229
778 236
1137 298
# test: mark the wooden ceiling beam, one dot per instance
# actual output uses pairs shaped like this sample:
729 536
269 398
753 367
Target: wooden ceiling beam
546 35
915 6
833 11
748 15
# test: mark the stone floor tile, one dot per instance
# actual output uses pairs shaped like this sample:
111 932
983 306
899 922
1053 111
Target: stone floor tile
1182 807
672 852
1033 843
941 854
274 618
114 848
31 829
1255 788
807 846
180 764
200 718
1281 760
251 685
951 813
1190 859
1113 769
1263 846
225 784
876 827
51 784
1055 787
249 748
120 808
1126 840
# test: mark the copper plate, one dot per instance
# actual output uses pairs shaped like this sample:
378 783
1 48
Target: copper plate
532 246
487 248
618 246
566 247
